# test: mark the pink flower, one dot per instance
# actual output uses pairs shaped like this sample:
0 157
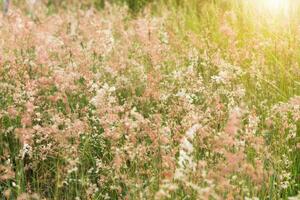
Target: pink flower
26 120
12 112
42 56
29 107
118 161
233 123
227 30
25 135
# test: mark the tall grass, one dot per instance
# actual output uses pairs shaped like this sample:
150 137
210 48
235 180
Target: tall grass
191 99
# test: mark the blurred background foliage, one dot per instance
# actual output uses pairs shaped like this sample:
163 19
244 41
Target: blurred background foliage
133 5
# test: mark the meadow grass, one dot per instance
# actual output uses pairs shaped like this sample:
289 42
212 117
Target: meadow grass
190 99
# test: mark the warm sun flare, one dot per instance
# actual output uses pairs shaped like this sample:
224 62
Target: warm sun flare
270 6
276 5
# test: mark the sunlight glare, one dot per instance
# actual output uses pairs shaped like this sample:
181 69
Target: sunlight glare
276 6
272 7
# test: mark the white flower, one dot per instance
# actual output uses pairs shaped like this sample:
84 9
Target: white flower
192 131
26 150
185 159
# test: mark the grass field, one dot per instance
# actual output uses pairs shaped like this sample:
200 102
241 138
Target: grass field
161 99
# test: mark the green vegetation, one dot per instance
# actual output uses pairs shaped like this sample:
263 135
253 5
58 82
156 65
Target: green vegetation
162 99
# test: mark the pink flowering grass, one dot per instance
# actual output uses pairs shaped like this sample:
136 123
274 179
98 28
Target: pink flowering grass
186 100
